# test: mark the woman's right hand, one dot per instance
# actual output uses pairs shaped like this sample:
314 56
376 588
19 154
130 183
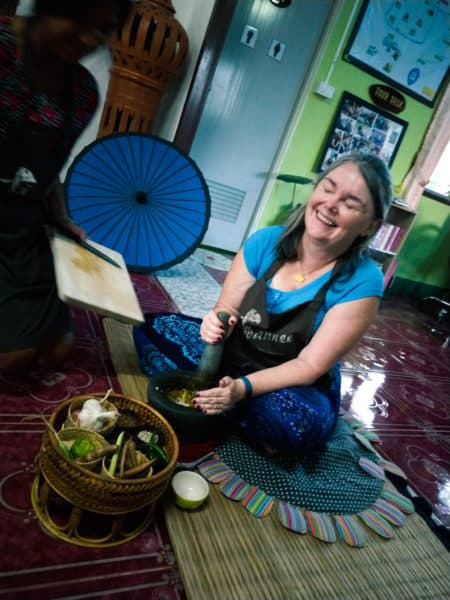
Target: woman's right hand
212 330
236 284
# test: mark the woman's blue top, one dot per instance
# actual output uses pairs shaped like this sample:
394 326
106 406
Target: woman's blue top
259 252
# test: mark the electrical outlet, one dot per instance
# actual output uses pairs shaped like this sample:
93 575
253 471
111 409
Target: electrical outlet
325 89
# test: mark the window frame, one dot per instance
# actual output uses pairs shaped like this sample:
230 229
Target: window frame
433 194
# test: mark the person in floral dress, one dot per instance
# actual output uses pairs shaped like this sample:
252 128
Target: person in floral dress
47 98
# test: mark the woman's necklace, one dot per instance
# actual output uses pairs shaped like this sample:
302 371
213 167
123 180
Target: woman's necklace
301 276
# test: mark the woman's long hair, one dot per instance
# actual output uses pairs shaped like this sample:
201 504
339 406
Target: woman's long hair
378 180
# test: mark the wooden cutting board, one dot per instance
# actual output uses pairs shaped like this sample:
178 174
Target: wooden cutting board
84 279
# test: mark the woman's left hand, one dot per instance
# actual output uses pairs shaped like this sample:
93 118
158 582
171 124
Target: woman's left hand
219 399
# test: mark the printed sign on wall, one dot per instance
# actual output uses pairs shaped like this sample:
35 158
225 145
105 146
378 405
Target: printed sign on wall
404 42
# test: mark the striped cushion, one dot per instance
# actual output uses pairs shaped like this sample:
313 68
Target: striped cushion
364 441
235 488
391 467
320 526
350 530
371 436
389 512
398 500
292 517
258 502
372 468
376 523
215 470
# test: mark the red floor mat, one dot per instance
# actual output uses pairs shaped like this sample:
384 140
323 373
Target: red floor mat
33 564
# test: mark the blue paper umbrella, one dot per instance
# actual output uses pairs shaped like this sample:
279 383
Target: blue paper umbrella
141 196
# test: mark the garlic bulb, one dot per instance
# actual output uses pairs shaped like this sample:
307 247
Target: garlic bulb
94 416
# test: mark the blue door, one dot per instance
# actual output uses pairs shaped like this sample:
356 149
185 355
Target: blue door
261 70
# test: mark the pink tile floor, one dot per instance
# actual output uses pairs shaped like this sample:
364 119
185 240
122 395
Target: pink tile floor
396 381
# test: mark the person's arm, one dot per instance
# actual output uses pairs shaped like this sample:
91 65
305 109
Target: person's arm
57 211
236 283
342 327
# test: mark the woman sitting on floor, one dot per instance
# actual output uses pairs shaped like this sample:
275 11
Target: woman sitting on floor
300 296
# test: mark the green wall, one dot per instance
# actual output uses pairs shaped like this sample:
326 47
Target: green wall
423 262
311 132
431 232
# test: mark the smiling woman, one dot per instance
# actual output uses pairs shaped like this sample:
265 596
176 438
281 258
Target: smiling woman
300 296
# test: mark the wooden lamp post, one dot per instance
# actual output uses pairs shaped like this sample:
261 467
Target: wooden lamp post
147 52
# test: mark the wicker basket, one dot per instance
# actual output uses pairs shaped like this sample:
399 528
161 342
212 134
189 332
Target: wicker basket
90 491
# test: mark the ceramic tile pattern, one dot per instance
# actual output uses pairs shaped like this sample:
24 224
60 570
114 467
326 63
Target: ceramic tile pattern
397 382
200 271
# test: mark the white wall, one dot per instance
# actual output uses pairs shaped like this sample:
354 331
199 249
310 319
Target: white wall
24 7
98 63
194 15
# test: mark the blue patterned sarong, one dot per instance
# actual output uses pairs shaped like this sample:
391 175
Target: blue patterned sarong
291 420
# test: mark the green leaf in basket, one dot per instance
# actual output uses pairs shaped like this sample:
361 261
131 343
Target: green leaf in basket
115 456
82 445
153 449
65 448
161 453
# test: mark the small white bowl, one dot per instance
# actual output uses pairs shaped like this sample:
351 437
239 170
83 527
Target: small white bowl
190 489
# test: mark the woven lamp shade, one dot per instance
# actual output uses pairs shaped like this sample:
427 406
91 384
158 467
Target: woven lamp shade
146 53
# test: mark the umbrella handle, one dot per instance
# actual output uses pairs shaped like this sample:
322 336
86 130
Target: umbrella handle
212 354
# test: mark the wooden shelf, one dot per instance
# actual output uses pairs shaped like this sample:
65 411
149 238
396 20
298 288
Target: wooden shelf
403 207
382 252
401 216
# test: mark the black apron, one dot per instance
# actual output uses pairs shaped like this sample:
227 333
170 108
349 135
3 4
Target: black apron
261 340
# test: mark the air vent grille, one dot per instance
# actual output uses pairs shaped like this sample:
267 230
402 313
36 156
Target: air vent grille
226 201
